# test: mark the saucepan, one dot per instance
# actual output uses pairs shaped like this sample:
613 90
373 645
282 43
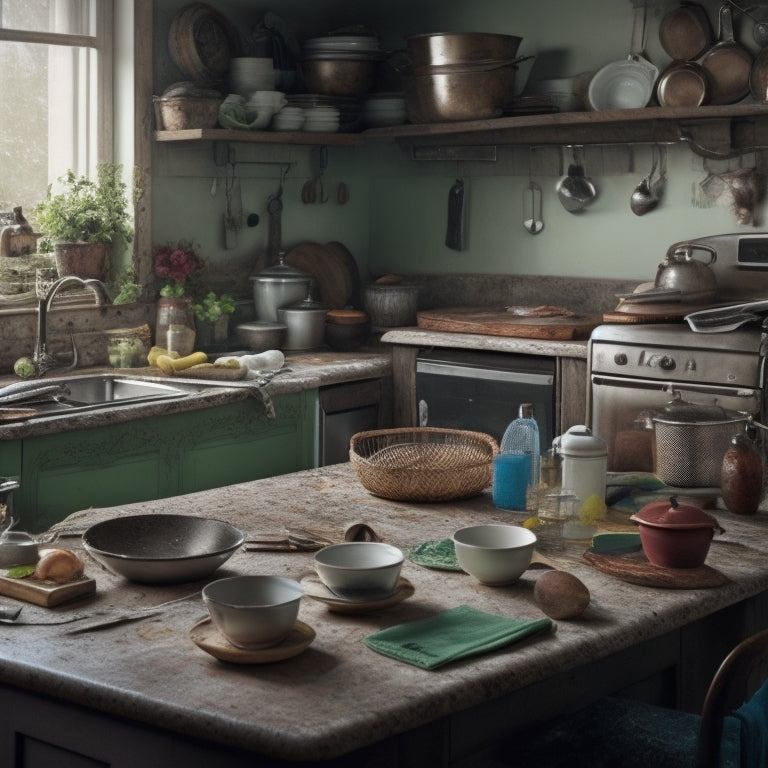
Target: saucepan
728 64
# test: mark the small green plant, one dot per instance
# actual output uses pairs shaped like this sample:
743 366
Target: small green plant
82 210
213 307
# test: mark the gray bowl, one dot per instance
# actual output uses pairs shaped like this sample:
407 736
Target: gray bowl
261 335
162 549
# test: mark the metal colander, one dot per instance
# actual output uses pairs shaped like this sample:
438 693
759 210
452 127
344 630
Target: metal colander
690 443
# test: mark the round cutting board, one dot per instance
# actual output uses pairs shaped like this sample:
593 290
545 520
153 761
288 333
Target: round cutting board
333 268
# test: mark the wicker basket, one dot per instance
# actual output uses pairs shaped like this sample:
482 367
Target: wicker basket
424 463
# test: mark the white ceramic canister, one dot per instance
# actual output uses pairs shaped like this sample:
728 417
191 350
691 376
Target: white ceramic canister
584 462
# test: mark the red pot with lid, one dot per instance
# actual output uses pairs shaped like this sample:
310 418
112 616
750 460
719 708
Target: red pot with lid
675 535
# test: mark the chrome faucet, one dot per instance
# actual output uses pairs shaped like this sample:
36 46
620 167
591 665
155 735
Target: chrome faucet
43 360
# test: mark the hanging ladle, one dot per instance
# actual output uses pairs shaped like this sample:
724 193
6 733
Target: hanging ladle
644 198
532 216
575 191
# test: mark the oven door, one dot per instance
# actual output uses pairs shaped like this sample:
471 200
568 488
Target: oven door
618 405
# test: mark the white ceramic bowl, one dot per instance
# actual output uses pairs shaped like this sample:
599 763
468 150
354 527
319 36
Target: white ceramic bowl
360 570
253 612
494 554
626 84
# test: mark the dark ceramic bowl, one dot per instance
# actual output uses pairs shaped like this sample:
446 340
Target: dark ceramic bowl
675 535
162 549
345 338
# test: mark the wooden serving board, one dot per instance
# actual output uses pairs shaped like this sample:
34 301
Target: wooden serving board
501 323
46 593
634 568
663 312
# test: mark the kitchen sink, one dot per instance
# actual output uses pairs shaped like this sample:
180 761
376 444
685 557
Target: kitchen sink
92 391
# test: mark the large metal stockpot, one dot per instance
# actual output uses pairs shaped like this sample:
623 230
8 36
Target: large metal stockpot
438 48
277 286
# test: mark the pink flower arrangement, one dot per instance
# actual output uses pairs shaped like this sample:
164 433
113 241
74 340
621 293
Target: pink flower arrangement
176 264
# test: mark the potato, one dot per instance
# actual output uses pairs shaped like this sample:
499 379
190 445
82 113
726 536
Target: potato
560 595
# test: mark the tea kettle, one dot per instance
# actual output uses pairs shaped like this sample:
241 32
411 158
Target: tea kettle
685 276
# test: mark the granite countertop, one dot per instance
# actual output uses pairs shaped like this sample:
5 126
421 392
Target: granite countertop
414 336
338 695
308 370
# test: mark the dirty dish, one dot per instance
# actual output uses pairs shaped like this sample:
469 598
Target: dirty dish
495 555
207 637
160 548
316 590
360 570
253 612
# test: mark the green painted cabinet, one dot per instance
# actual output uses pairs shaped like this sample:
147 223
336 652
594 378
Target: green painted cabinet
158 457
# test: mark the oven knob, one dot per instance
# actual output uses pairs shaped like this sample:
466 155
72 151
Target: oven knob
620 358
667 363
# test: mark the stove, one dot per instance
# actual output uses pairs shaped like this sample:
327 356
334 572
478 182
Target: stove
636 368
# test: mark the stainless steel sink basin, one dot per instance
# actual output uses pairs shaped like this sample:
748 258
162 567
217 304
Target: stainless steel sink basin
89 392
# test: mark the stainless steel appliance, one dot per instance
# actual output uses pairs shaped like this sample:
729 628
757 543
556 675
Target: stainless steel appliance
635 368
482 391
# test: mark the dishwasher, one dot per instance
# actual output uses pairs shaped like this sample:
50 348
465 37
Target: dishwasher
483 391
343 410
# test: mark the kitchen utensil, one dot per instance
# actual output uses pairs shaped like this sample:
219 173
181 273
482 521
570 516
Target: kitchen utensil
437 48
644 199
454 233
353 77
628 83
728 64
675 535
253 612
685 32
161 548
532 208
659 186
722 318
334 269
683 84
360 570
692 277
575 191
260 335
305 322
277 286
495 555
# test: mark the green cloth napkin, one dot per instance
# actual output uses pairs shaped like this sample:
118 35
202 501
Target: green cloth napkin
436 554
450 635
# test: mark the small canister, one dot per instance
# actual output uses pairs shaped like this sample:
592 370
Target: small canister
585 460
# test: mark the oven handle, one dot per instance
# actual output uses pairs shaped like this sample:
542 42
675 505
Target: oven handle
486 374
671 387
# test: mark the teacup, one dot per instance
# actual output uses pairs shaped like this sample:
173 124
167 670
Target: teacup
275 99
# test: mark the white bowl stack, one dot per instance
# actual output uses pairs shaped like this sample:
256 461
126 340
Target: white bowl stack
248 74
321 119
382 109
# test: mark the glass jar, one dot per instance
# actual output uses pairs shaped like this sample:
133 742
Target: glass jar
175 325
126 351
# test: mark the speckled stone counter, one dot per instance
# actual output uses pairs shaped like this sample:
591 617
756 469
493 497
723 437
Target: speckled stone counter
338 696
308 370
424 338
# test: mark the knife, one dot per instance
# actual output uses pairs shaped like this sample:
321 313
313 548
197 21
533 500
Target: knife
454 235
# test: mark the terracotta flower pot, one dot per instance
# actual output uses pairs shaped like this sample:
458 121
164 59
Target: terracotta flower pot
84 260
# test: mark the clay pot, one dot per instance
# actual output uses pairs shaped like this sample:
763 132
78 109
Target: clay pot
84 260
675 535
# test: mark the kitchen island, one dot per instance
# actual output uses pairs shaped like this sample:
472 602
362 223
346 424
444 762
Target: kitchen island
143 693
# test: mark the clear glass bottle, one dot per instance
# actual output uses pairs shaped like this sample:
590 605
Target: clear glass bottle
517 467
175 326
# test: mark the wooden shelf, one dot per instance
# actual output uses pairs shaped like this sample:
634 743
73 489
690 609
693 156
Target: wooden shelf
710 131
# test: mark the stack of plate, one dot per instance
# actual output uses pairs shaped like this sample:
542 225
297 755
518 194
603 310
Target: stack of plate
343 47
249 74
381 109
349 109
321 119
289 119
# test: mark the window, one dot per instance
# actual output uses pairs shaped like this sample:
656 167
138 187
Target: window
55 78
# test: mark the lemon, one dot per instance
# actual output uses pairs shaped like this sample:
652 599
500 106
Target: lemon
531 523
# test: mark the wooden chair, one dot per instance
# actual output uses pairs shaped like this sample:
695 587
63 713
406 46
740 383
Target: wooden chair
623 733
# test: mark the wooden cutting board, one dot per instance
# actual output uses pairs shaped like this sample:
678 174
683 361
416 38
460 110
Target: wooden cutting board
45 593
501 323
634 568
334 269
664 312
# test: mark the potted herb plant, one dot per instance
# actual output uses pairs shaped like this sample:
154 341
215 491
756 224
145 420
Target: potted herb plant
83 217
212 319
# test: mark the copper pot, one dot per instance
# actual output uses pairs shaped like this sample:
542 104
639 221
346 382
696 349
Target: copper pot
728 64
685 32
683 84
439 48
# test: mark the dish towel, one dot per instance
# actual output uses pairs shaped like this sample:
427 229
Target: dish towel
450 635
436 554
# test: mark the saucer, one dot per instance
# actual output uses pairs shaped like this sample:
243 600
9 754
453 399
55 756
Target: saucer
315 589
206 636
